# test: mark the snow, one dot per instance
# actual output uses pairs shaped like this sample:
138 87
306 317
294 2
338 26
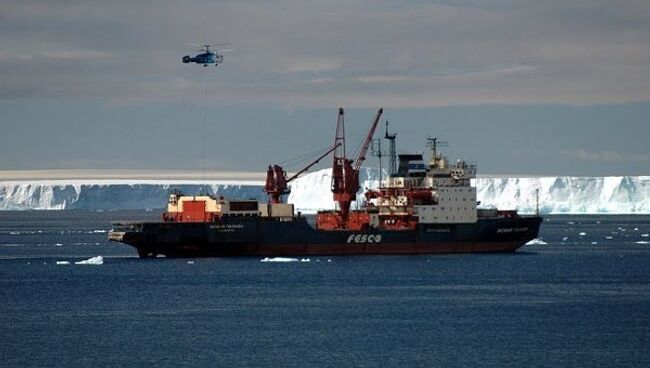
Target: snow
312 192
99 260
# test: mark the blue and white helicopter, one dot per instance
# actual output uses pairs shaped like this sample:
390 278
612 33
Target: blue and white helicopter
209 54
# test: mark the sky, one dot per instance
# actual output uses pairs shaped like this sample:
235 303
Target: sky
520 87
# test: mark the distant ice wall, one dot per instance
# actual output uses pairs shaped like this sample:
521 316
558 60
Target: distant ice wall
570 195
119 195
575 195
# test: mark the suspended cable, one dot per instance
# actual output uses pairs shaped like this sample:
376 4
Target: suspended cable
205 123
304 157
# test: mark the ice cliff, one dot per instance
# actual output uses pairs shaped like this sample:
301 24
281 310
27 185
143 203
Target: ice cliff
575 195
107 195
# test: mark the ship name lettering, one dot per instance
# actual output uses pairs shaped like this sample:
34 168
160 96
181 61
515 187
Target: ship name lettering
510 230
364 238
227 226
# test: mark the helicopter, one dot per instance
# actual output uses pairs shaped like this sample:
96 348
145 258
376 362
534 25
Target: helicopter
209 54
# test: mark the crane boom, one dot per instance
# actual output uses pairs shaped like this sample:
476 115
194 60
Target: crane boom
366 144
277 182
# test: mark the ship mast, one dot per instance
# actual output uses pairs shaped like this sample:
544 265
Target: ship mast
392 165
434 144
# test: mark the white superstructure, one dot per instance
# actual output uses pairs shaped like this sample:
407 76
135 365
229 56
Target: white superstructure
434 193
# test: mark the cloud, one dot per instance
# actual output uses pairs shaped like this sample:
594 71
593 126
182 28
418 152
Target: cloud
319 53
313 66
603 156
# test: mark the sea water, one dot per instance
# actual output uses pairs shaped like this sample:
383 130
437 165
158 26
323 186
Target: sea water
579 296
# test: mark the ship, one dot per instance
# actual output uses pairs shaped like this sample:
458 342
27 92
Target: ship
424 205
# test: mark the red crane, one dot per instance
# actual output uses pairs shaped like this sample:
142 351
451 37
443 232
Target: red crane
345 175
277 182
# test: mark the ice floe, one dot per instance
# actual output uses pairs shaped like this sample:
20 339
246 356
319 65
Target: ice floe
99 260
279 259
62 262
536 241
582 233
643 242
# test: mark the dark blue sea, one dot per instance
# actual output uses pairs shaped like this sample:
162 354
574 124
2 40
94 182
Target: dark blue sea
580 300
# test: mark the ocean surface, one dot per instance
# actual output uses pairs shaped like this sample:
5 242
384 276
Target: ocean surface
580 300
